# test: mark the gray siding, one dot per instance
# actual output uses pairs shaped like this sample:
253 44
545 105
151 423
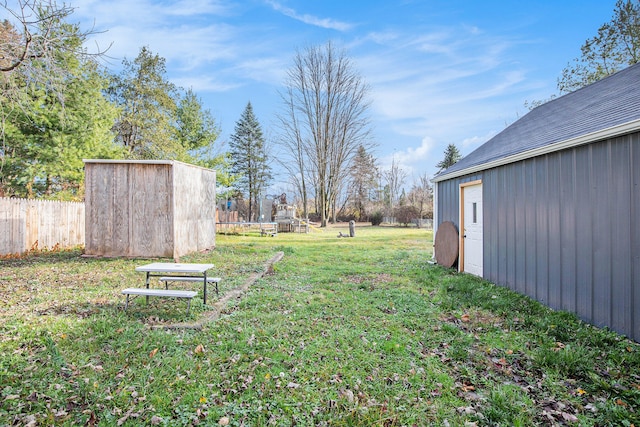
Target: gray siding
448 198
563 229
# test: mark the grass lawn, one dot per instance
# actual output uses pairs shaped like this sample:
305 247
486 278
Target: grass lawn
342 332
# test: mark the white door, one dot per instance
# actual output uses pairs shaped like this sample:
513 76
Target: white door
472 229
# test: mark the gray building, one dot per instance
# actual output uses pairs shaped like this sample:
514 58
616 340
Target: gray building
550 207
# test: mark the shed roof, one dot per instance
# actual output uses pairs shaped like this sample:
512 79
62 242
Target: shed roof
606 108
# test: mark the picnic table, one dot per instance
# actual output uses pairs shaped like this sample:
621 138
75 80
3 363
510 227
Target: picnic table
184 272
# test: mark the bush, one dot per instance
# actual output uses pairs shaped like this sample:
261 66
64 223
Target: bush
376 218
406 214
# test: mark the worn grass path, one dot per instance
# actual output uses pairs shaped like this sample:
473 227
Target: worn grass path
342 332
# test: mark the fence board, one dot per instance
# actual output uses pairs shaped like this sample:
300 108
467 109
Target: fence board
45 224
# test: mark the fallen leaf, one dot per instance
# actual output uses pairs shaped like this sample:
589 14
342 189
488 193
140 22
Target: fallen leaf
92 419
224 421
347 394
153 353
199 349
61 413
465 318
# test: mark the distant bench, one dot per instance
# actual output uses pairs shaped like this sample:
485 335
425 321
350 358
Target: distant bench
268 229
159 293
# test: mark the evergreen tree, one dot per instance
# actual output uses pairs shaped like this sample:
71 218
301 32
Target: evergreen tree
148 104
48 135
197 133
196 128
451 156
364 182
249 161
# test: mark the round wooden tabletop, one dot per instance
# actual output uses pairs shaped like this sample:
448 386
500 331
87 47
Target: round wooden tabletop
447 244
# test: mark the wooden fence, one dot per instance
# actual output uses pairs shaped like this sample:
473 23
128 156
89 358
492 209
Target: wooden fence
39 224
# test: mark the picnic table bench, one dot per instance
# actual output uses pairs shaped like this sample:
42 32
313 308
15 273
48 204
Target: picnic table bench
172 293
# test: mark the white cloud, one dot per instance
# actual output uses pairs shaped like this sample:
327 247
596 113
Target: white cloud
310 19
205 83
410 159
271 70
184 31
198 8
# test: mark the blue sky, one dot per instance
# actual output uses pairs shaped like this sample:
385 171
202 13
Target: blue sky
440 71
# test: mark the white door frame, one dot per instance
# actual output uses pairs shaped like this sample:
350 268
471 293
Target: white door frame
462 225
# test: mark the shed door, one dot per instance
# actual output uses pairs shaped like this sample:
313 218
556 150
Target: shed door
472 228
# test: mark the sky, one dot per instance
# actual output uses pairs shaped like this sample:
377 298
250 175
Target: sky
439 71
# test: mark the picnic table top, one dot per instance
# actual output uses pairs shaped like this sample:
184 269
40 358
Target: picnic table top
170 267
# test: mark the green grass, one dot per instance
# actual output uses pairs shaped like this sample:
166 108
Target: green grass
345 332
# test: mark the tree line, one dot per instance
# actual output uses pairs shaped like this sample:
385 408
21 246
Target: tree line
58 105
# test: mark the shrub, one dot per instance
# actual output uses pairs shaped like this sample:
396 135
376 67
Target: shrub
406 214
376 218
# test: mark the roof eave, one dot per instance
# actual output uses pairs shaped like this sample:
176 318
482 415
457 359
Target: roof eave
602 134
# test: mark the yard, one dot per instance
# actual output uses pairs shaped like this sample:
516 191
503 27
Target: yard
341 332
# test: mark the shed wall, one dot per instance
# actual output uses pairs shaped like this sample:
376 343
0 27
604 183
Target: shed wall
563 229
195 209
129 209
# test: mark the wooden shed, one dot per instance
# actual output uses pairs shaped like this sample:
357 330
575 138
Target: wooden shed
148 208
550 207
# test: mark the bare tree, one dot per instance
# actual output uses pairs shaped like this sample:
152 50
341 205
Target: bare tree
324 121
395 177
421 196
32 38
294 158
